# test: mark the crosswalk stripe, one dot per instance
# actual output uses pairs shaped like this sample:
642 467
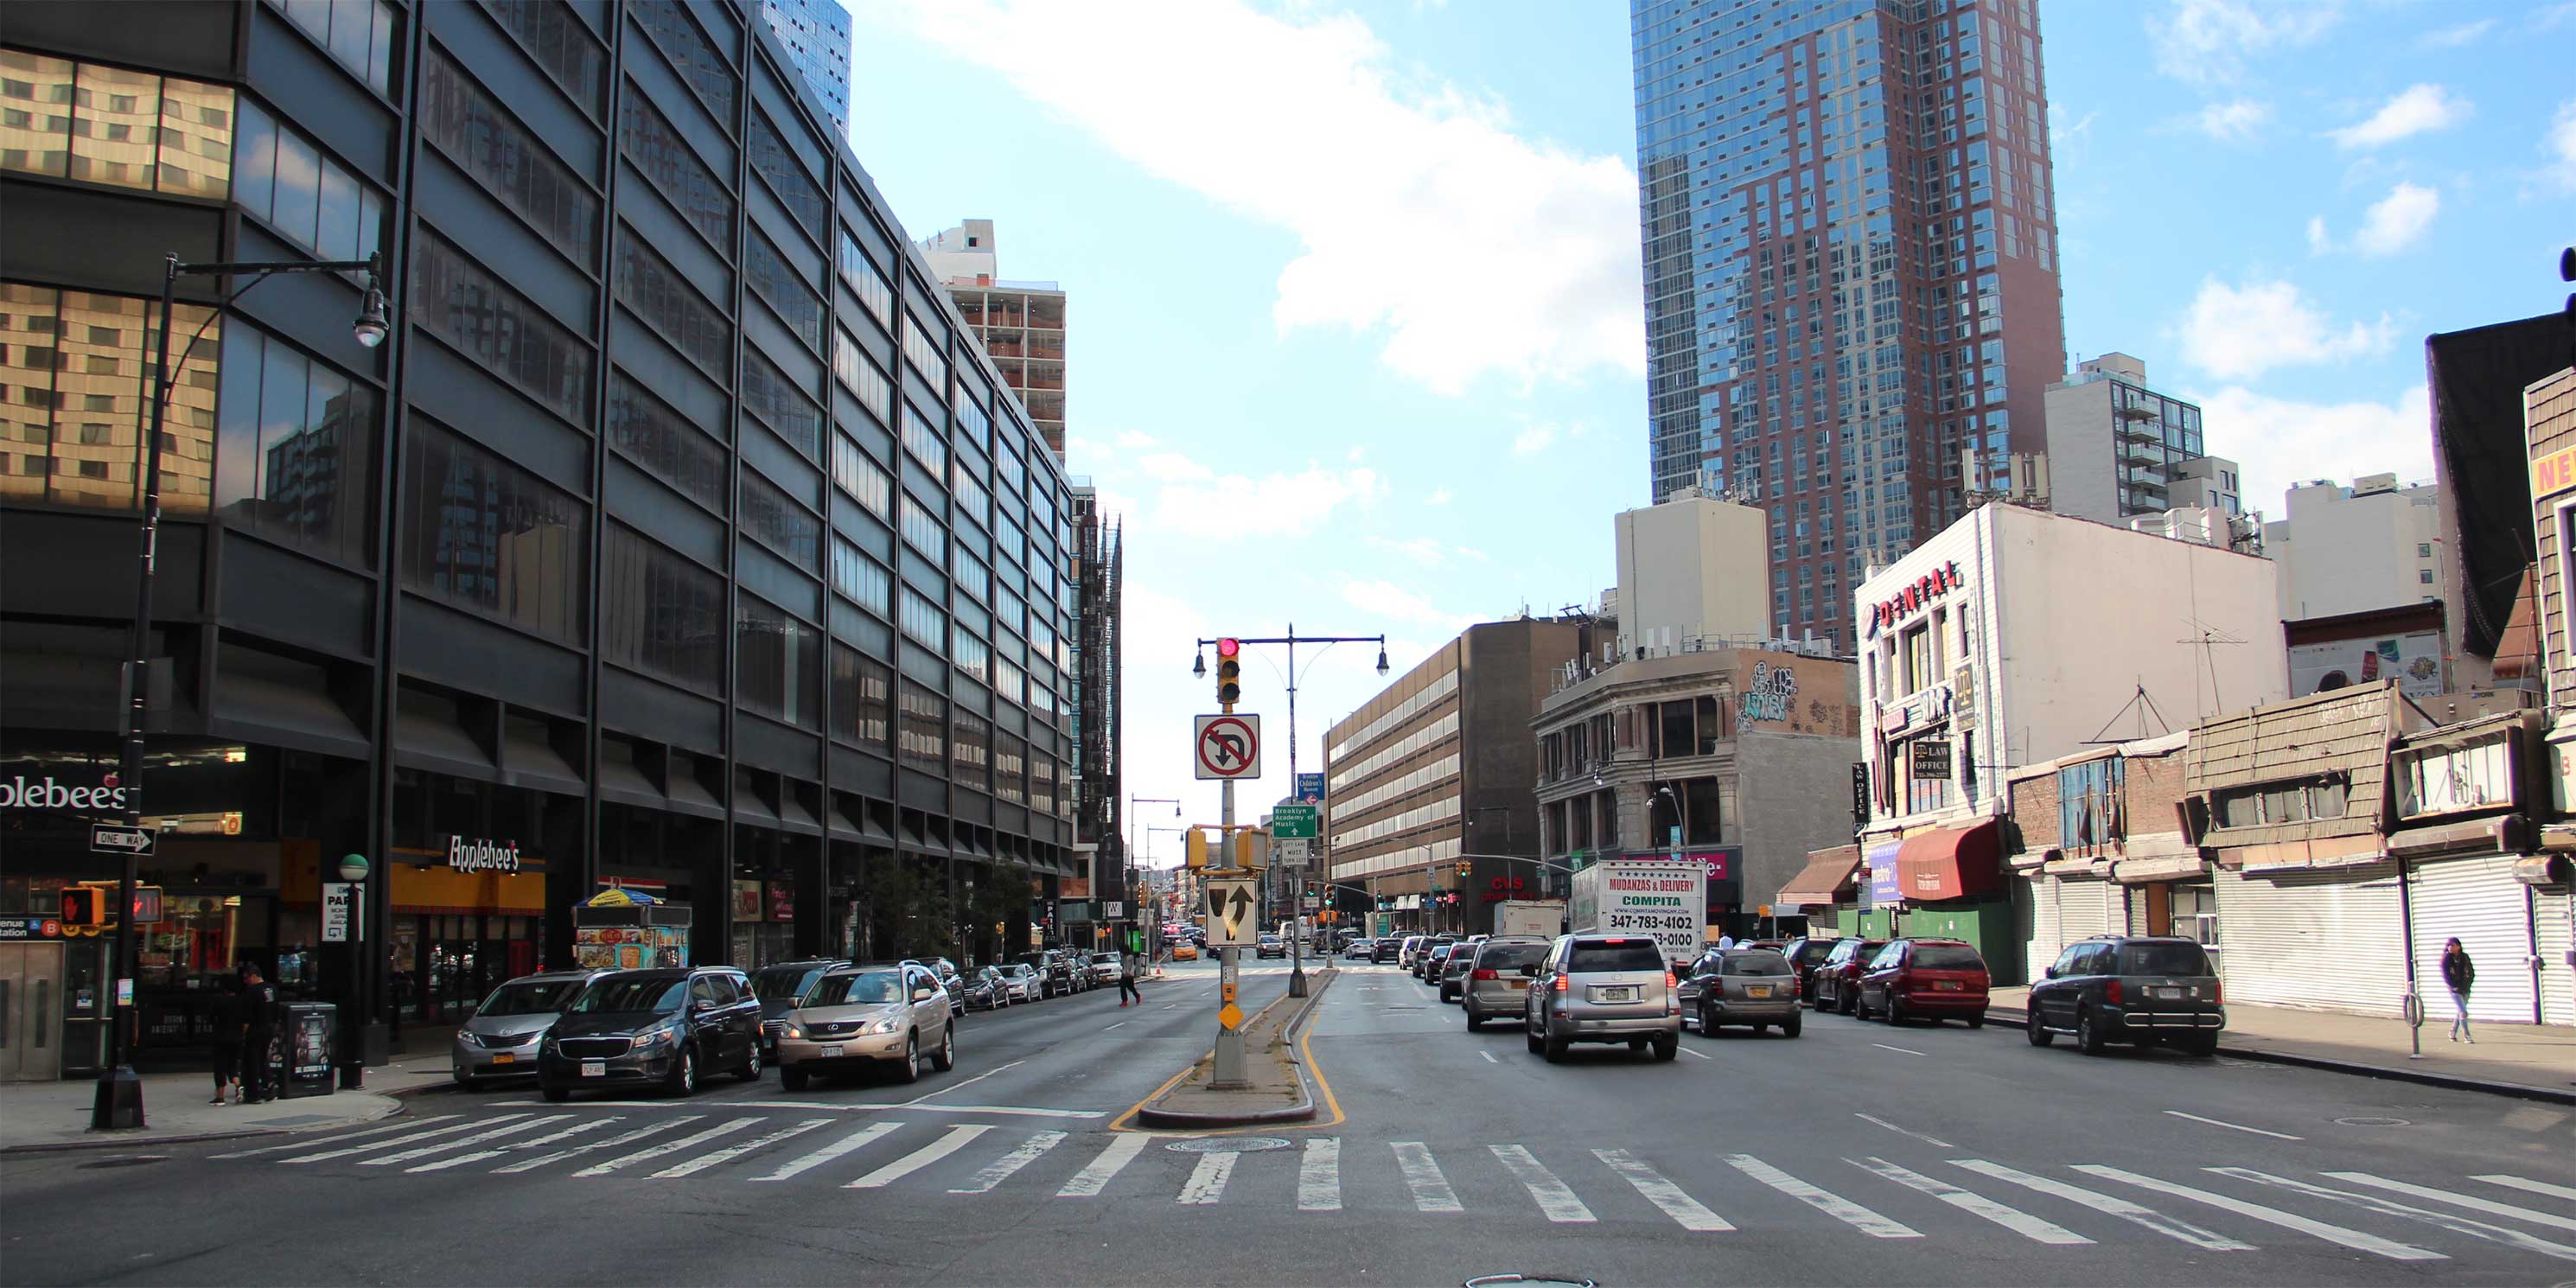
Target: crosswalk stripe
650 1152
1678 1205
1556 1200
460 1160
1096 1175
1319 1176
847 1144
2010 1218
441 1147
731 1152
2209 1240
2354 1239
431 1134
920 1158
1207 1180
652 1129
2472 1203
1825 1201
2514 1182
1002 1167
1431 1192
405 1125
2391 1207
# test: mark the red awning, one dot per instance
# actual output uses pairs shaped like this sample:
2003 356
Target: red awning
1948 863
1825 879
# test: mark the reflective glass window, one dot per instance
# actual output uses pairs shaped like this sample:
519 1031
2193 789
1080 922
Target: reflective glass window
649 285
359 34
780 523
660 613
35 113
674 167
859 372
778 669
480 532
776 283
297 459
921 727
779 404
560 42
691 52
648 432
860 477
507 160
861 580
861 697
923 621
786 176
863 278
453 298
970 751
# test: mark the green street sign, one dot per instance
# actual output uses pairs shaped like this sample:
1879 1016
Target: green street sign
1289 822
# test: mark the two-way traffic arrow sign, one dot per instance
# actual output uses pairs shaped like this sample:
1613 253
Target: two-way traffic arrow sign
1230 913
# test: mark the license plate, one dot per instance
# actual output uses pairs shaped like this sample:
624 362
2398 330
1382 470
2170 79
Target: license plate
1946 985
831 1051
1614 995
1757 990
594 1068
2173 992
1520 985
505 1058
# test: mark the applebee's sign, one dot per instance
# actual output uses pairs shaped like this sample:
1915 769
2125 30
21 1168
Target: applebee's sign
45 793
482 856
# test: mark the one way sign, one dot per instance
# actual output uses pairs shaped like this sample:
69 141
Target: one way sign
107 839
1230 913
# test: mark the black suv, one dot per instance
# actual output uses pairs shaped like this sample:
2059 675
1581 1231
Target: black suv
1805 955
779 985
661 1027
2135 989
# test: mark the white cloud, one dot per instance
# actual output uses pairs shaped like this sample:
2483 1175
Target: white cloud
1356 455
2066 131
1536 438
2318 242
1420 213
1173 467
2466 33
1425 551
1386 599
2417 110
2560 145
1439 496
1274 505
2280 442
2208 42
1136 440
1470 552
2236 332
2398 220
2553 17
2234 121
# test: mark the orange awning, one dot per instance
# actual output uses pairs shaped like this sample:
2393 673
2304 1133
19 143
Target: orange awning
1948 862
1827 878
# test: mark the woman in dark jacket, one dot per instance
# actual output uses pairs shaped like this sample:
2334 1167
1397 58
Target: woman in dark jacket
2458 974
227 1017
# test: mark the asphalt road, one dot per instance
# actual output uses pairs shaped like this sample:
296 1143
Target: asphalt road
1854 1154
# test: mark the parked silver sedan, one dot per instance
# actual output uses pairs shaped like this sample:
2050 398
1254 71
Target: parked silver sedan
500 1040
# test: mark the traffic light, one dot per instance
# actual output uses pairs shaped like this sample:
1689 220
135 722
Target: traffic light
1465 868
1198 848
85 906
1251 847
1229 673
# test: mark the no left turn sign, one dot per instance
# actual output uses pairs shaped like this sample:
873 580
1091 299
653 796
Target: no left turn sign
1228 746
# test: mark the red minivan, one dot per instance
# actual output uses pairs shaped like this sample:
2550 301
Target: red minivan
1931 979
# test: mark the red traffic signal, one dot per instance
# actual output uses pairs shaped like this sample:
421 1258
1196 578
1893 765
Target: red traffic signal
84 906
1228 647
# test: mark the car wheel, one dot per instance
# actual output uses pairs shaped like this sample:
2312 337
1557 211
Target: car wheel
684 1074
1555 1049
1860 1009
1529 1030
2088 1032
793 1078
2204 1045
1977 1021
558 1094
945 1058
1668 1047
910 1069
750 1070
1789 1027
1475 1022
1845 1002
2038 1029
1707 1022
1895 1011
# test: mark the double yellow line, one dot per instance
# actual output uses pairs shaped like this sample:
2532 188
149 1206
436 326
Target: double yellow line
1306 1055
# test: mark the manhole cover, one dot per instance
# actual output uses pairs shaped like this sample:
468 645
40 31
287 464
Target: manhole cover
1226 1144
1536 1281
133 1160
2374 1122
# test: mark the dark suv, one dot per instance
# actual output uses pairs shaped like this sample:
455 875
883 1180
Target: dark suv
1837 980
778 985
1805 955
2123 988
661 1027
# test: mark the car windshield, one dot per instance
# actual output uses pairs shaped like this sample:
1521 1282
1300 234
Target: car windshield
1946 957
783 983
529 997
1614 955
2163 959
1508 957
662 993
868 988
1765 963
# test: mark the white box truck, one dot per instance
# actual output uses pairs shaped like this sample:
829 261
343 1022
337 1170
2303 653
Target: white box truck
1544 918
1665 900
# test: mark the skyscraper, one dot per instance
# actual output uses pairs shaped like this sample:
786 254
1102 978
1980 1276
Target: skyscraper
817 36
1020 322
1851 267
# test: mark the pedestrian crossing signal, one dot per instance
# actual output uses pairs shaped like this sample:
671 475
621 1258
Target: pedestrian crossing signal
1198 848
85 906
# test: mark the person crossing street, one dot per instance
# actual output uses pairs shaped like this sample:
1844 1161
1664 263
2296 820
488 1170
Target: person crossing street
1128 969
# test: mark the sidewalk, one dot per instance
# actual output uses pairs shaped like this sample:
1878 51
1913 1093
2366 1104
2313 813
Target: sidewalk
2520 1058
55 1115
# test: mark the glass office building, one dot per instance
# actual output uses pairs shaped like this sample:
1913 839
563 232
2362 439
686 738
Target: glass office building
678 539
1850 262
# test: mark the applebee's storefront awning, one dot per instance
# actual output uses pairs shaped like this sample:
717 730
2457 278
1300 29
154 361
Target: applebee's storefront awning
1949 863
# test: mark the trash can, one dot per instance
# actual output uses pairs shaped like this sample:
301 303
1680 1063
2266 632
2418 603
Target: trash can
307 1042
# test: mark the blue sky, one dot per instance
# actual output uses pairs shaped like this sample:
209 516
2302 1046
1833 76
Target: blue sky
1355 335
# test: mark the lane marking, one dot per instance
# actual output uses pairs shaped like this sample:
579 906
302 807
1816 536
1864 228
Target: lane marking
1319 1175
2391 1207
732 1152
441 1147
1431 1192
1902 1050
547 1139
431 1134
1207 1181
2474 1204
405 1125
1825 1201
967 1083
650 1152
1685 1211
847 1144
2513 1182
1095 1176
2354 1239
1001 1168
2010 1218
1555 1198
1489 1057
920 1158
1007 1111
1928 1140
2108 1205
844 1106
1119 1025
639 1133
1697 1053
2234 1126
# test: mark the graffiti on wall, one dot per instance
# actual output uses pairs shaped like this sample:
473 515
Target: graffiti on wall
1771 694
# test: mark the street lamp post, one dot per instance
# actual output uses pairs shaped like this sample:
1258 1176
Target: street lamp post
119 1099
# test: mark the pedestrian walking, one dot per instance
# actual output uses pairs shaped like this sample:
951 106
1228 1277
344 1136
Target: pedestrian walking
1128 968
2458 975
259 1036
226 1015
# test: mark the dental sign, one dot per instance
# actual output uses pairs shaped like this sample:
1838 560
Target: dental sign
45 793
482 856
1930 586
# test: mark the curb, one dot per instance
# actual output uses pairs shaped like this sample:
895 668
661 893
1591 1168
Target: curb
2455 1082
145 1142
1302 1111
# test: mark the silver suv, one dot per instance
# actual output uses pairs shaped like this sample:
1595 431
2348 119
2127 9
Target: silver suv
1493 986
1603 988
858 1017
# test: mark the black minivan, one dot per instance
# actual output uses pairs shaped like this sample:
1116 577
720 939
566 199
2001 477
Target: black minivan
661 1027
2136 989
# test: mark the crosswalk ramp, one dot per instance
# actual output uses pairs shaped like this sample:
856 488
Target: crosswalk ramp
2213 1207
